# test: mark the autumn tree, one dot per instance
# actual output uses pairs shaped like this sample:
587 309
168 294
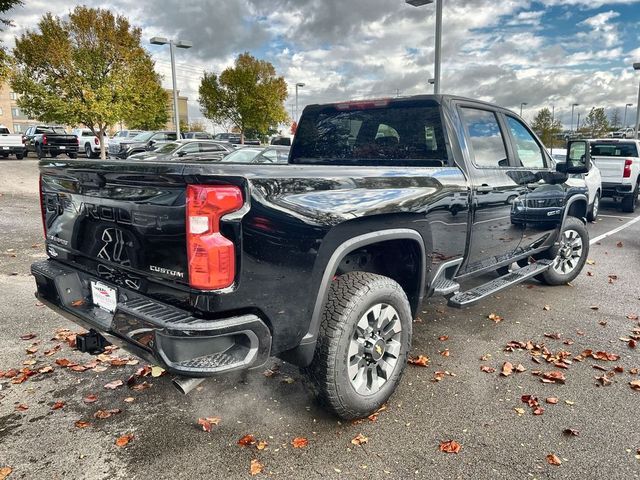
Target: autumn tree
195 126
248 95
5 61
614 119
546 127
88 68
596 124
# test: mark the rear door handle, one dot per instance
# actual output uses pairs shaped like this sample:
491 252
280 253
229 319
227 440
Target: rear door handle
484 188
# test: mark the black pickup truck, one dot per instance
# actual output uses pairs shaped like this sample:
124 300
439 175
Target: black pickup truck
206 268
50 140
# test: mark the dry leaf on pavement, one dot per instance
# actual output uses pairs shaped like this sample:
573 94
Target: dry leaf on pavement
507 369
553 460
256 467
299 442
359 439
247 440
420 361
124 440
5 472
113 385
450 446
207 422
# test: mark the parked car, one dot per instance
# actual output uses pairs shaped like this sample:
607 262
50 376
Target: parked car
593 179
140 143
198 135
11 144
626 132
324 262
89 143
619 164
121 134
189 149
281 140
272 154
234 138
50 140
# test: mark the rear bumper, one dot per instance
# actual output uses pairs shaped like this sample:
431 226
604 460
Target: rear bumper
160 333
616 189
58 149
12 150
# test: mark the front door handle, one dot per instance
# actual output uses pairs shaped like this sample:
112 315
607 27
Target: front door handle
484 188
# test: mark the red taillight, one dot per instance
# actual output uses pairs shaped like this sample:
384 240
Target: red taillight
43 207
626 173
211 256
96 141
44 139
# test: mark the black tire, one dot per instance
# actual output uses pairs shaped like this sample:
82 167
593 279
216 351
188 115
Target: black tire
592 214
19 156
72 155
4 155
87 151
353 299
565 269
630 201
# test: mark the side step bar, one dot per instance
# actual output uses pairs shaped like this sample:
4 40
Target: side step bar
463 299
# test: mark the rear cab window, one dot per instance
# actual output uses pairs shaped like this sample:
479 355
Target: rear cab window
376 132
614 149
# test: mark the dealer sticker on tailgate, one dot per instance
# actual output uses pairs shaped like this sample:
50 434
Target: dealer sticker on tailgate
104 297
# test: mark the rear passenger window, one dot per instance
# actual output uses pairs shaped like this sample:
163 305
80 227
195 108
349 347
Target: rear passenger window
527 149
487 142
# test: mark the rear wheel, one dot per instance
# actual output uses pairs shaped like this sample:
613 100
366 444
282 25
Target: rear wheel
87 151
19 156
73 155
569 255
363 344
630 201
592 214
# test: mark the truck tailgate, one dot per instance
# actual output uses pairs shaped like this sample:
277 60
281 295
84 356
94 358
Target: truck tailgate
123 223
611 168
11 140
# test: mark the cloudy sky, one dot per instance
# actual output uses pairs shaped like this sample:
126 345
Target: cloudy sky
555 52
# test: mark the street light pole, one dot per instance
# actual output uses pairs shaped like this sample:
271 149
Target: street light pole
438 45
636 67
624 123
297 85
172 45
523 104
572 109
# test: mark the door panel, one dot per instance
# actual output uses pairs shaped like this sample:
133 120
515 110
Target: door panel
494 238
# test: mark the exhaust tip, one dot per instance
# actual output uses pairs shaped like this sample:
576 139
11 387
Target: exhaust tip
185 384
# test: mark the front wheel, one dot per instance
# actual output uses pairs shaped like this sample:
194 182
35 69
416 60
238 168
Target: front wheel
72 155
363 344
569 254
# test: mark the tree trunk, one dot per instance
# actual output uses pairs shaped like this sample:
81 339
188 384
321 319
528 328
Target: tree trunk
103 152
242 136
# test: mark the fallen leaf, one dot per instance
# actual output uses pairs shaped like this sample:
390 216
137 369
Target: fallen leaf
619 244
78 368
450 446
520 368
495 317
28 336
53 350
124 440
77 303
118 362
262 445
47 369
443 338
594 307
63 362
571 431
618 369
487 369
82 424
553 460
256 467
30 361
445 352
611 357
22 407
247 440
538 411
604 380
553 377
374 416
113 385
519 411
591 262
589 274
288 380
91 398
635 384
420 361
632 343
207 422
554 336
546 307
141 386
32 349
129 400
551 400
58 405
632 316
299 442
102 414
157 371
507 369
359 439
5 472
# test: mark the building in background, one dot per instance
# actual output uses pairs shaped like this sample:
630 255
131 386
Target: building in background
183 110
11 115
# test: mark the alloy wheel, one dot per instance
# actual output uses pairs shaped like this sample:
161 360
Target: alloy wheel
569 253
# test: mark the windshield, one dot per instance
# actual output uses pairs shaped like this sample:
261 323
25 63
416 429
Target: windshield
142 137
371 132
244 155
168 147
618 149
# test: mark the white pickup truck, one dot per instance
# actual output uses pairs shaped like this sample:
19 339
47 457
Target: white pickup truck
11 144
619 164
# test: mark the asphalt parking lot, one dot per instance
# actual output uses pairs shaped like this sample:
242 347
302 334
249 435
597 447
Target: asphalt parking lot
499 434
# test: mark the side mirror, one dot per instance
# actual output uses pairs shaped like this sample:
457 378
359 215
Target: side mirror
578 158
181 153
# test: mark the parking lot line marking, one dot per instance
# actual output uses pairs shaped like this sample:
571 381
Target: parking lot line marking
613 216
615 230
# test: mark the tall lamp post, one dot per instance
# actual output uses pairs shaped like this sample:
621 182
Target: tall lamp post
636 67
573 106
438 53
298 85
523 104
624 123
173 44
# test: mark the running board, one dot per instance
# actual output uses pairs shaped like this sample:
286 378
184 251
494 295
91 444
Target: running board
463 299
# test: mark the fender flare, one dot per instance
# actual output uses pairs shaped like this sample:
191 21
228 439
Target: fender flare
571 201
343 250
